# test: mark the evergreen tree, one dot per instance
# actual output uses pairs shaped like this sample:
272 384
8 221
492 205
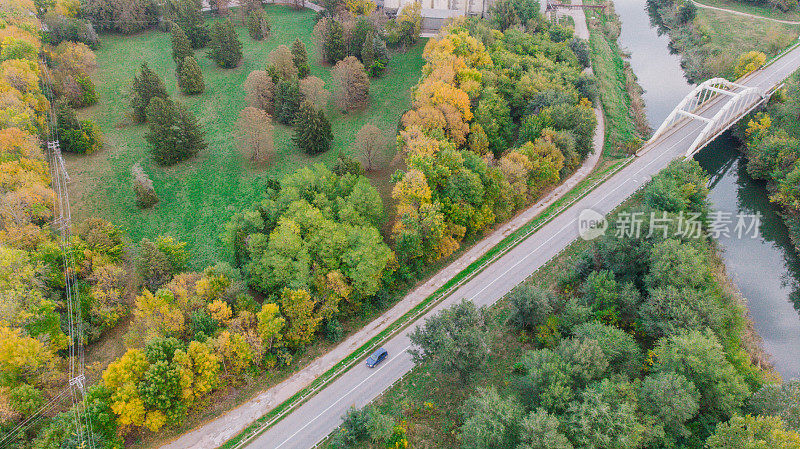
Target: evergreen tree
190 19
190 78
174 133
181 47
258 25
368 54
146 86
226 49
287 101
381 55
360 34
300 58
334 47
312 130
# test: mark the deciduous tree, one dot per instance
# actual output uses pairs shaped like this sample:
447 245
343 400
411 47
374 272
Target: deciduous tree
313 91
370 145
351 84
454 341
281 63
260 90
255 132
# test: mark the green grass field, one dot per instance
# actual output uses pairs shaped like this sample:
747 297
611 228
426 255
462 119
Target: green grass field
724 36
755 9
199 195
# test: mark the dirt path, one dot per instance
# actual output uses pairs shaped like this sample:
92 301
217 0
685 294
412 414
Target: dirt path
745 14
215 432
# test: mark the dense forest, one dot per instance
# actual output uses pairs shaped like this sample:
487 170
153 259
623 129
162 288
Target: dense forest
639 343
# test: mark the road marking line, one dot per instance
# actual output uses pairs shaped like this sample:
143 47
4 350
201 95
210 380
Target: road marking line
342 397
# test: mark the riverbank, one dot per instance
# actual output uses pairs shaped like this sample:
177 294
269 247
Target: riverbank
621 96
771 144
710 41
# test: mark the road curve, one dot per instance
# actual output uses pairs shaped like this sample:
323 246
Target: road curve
315 419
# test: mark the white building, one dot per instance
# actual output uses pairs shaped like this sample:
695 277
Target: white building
434 12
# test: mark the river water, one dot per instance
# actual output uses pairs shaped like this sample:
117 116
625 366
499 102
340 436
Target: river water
766 269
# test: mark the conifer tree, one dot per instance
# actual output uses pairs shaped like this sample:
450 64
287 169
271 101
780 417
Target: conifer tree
226 49
381 55
334 46
358 35
312 130
258 25
174 133
146 86
300 58
190 78
190 19
181 47
287 101
368 54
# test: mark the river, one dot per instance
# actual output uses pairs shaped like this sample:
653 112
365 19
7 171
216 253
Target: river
766 269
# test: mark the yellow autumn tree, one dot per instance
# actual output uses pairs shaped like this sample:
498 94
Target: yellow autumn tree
199 371
270 324
122 378
298 308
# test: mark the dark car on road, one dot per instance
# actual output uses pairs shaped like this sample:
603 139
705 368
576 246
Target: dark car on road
376 357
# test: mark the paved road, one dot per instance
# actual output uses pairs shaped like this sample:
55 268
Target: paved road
315 419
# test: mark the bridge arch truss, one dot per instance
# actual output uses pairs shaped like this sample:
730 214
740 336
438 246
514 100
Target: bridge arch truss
702 104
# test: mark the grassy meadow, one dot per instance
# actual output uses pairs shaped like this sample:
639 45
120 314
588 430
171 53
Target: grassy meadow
763 10
199 195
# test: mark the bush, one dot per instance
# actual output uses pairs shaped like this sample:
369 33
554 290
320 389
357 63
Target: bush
79 91
63 28
156 262
122 16
531 306
749 62
333 330
143 187
226 49
81 137
190 78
